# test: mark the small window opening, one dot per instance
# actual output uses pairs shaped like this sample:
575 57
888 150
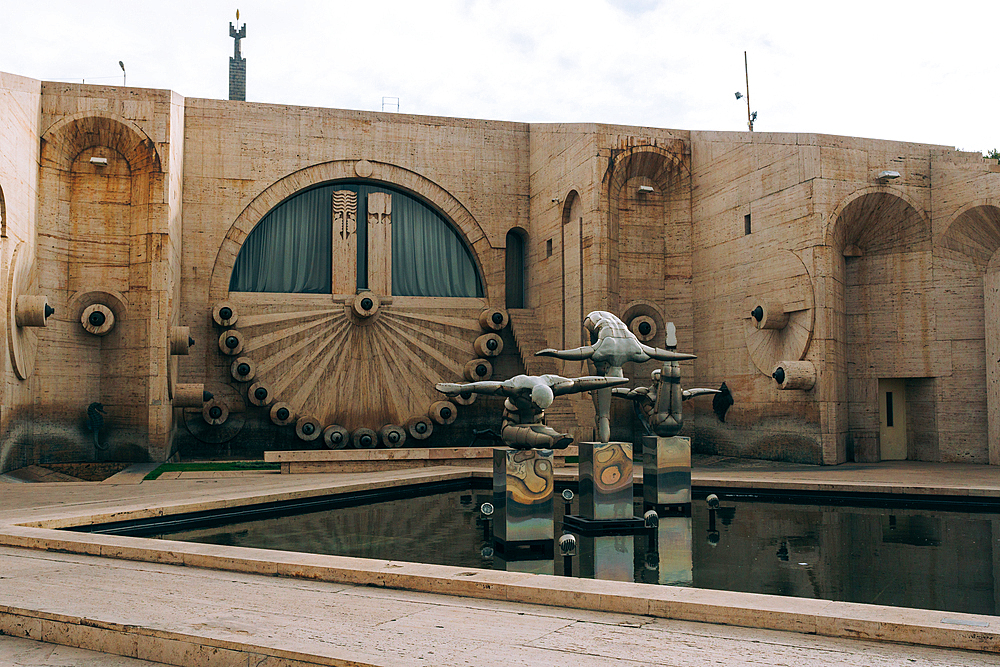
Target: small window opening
888 409
746 224
548 248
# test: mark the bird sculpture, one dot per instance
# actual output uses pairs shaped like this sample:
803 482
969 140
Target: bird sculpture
527 397
612 345
659 405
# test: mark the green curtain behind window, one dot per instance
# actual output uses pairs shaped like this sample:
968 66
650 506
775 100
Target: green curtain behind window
428 257
289 249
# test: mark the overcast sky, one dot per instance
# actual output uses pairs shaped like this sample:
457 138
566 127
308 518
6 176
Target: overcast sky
913 71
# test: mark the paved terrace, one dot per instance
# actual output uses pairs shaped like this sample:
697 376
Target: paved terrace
140 602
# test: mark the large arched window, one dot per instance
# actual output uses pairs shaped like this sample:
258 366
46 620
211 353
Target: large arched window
307 242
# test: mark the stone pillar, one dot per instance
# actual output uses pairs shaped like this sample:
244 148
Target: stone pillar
523 489
606 474
666 470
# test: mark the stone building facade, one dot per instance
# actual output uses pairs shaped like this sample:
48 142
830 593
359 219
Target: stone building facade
872 264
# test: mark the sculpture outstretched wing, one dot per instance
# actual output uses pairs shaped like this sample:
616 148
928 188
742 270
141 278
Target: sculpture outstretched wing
698 391
561 386
660 354
490 387
576 354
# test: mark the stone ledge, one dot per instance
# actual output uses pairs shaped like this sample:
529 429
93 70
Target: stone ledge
365 460
820 617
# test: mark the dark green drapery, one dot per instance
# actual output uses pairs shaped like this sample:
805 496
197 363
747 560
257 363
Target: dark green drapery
289 249
284 252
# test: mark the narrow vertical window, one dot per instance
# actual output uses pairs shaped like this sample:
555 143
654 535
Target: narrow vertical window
746 225
515 270
888 409
548 248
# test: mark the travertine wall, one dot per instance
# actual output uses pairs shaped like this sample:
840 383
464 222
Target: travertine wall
108 235
869 279
20 102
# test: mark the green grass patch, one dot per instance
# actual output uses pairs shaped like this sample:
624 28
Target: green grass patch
212 466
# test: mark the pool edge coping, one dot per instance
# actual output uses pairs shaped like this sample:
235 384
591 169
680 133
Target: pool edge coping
803 615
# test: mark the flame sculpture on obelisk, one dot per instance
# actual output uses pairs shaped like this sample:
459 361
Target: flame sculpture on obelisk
237 64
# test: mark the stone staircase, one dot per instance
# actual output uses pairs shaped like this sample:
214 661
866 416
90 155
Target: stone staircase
569 414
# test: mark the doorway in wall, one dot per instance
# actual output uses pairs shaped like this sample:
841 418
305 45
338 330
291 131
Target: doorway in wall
892 419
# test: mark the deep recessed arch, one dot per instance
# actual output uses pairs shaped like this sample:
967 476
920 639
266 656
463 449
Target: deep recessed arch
879 220
65 139
649 229
881 244
968 249
974 231
444 203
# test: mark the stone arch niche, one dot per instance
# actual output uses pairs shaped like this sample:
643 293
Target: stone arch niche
357 361
967 259
105 229
571 248
649 231
883 303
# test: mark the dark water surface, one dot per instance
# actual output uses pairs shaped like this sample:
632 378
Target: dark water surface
944 560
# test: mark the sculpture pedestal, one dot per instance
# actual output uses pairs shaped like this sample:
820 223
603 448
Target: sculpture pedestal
666 472
606 475
523 488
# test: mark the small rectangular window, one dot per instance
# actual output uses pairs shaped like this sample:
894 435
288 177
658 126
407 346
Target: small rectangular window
746 224
888 409
548 248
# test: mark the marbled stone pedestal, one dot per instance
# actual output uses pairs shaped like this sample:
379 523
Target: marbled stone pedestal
606 476
523 488
666 471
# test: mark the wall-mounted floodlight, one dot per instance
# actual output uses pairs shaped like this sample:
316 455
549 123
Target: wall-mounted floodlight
99 161
884 176
646 189
555 200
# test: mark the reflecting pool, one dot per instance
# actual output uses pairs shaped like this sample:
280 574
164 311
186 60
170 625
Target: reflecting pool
946 560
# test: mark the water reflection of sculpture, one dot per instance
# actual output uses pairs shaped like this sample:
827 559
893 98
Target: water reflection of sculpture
611 346
527 397
659 405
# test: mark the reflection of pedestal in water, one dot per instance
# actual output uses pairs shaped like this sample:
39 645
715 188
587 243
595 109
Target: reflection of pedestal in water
524 562
605 490
523 488
668 554
666 472
608 557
